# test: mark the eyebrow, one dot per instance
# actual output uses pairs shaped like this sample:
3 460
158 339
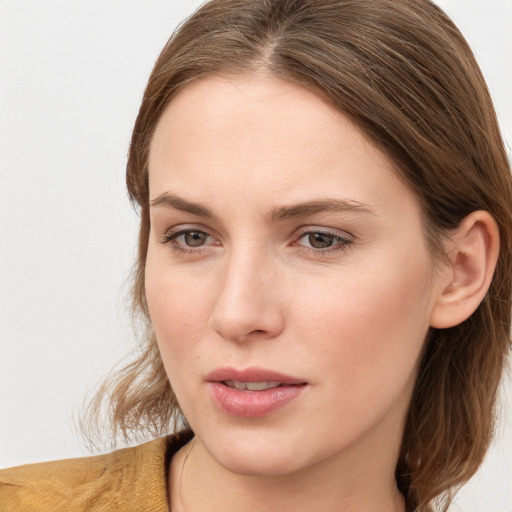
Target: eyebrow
178 203
278 214
312 207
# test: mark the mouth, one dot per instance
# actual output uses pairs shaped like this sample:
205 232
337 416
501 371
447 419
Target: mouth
252 386
252 392
253 376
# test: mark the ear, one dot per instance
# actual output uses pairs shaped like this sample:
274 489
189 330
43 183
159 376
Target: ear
473 252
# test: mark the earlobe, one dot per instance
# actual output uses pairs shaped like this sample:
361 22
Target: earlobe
472 260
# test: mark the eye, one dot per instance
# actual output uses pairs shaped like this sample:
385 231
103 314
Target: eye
187 240
320 240
192 238
323 241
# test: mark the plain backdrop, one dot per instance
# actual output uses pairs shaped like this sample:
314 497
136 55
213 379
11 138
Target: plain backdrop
72 74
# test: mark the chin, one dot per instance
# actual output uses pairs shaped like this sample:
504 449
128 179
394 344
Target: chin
257 450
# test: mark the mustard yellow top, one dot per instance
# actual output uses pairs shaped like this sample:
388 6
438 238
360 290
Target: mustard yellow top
130 479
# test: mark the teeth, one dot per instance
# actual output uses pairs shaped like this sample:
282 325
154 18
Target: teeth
252 386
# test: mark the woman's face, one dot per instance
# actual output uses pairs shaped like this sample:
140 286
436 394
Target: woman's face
288 279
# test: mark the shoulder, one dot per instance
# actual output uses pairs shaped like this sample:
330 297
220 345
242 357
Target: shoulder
127 479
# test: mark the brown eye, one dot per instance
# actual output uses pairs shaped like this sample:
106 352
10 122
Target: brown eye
189 241
321 240
194 238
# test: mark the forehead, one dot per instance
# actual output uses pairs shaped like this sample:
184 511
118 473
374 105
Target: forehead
259 105
268 136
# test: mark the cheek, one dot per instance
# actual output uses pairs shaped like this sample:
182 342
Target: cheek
179 308
368 326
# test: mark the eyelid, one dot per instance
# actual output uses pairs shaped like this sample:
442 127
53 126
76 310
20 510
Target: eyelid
172 234
345 238
304 230
184 228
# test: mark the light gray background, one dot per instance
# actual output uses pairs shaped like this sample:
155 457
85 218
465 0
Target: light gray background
72 74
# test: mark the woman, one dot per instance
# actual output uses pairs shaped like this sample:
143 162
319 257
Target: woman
323 264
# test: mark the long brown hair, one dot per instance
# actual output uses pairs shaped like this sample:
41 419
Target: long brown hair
402 71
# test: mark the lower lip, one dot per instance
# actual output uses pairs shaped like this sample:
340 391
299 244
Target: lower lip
253 404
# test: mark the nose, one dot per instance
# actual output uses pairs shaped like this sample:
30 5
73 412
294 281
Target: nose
249 303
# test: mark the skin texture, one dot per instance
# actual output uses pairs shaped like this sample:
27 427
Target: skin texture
349 319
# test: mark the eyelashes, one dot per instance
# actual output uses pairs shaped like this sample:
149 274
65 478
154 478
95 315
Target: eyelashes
322 241
188 240
310 239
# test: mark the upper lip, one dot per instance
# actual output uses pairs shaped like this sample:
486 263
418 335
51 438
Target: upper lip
252 374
